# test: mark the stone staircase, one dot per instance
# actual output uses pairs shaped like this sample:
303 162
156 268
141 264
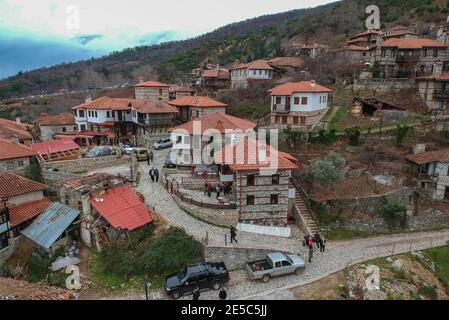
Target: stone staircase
305 214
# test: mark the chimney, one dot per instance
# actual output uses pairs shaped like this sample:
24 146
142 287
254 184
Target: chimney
140 79
312 83
262 148
15 139
419 148
437 68
18 121
88 99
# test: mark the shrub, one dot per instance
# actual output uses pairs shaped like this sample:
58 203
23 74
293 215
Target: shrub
401 133
391 211
354 136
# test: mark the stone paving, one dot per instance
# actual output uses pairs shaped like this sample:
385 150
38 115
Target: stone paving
339 255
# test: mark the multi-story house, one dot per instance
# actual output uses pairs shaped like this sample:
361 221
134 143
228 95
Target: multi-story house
176 92
431 173
300 104
197 106
400 32
152 90
244 74
124 117
51 125
14 156
16 130
199 137
313 50
260 183
409 58
434 89
21 201
212 79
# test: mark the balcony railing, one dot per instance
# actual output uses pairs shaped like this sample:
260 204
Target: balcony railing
407 59
441 94
280 108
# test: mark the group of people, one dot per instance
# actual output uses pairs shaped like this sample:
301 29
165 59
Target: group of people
218 189
222 294
154 174
314 243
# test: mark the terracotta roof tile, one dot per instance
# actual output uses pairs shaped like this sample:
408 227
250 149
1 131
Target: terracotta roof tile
292 87
7 132
60 119
27 211
122 208
286 62
258 65
176 88
54 146
152 84
402 43
14 124
12 151
429 156
12 185
245 156
218 121
223 74
22 290
197 101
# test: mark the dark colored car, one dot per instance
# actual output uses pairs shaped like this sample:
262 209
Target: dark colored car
204 275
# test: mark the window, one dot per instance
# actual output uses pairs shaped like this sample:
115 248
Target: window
108 114
10 165
178 139
64 129
81 113
250 180
80 206
285 263
284 119
278 264
96 114
384 53
3 240
83 127
250 200
277 119
260 72
160 92
3 218
296 100
304 100
89 114
435 53
20 163
278 100
274 199
275 179
425 52
74 128
321 99
296 120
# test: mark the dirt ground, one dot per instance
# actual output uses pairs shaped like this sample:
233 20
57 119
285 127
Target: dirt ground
324 289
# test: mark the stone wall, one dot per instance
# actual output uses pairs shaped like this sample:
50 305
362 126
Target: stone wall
87 164
53 178
384 86
375 225
234 258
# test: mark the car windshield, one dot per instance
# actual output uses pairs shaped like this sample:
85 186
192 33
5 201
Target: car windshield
182 274
289 259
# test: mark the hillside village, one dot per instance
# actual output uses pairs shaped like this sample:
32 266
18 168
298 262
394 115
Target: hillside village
120 180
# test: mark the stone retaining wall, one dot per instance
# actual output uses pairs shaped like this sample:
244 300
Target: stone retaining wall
234 258
417 223
87 164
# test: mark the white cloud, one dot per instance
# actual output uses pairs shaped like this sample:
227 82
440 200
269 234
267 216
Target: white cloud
124 23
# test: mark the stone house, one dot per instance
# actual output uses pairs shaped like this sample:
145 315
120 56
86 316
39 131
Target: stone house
211 132
108 206
313 50
431 173
22 200
197 106
409 58
260 182
434 89
15 157
51 125
16 130
253 72
300 104
152 90
176 92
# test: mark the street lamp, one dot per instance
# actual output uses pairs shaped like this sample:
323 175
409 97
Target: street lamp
147 285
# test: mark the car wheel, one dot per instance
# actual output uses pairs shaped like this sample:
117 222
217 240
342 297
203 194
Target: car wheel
298 271
175 295
216 285
266 278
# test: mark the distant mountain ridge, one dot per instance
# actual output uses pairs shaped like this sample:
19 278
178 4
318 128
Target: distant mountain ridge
263 37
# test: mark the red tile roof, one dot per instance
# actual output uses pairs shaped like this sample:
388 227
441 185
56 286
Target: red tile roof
360 39
12 151
286 62
367 33
152 107
27 211
258 65
216 120
12 185
398 33
315 46
444 76
14 124
222 74
8 132
356 48
60 119
152 84
294 87
122 208
123 104
430 156
54 146
176 88
104 103
245 156
402 43
198 102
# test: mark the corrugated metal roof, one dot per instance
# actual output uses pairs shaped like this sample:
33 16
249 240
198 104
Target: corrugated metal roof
49 226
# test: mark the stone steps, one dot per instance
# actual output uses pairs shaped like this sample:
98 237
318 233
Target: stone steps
305 213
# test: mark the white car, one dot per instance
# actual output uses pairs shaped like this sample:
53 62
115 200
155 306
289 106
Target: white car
127 148
162 144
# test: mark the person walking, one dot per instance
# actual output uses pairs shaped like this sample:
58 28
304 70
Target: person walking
233 233
152 174
317 238
305 242
205 188
222 294
218 190
311 242
151 156
323 244
310 253
156 174
196 294
209 190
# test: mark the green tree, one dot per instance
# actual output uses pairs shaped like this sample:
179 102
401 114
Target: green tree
401 133
391 211
330 170
292 136
354 135
33 172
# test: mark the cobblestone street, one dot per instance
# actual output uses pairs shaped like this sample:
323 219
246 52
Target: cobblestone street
338 256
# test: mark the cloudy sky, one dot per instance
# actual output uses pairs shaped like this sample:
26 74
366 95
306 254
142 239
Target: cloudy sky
46 32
